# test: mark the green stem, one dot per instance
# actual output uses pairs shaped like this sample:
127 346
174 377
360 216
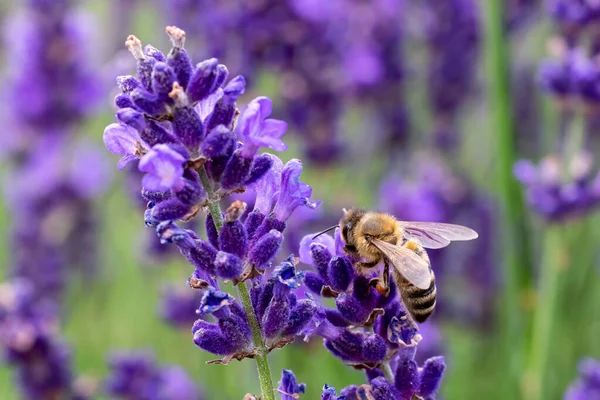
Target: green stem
264 372
213 205
387 371
543 323
515 246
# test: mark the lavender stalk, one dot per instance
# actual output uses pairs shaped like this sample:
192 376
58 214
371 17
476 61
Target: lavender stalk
262 363
195 147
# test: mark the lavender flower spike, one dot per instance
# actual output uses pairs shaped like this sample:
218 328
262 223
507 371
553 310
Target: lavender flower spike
191 163
137 376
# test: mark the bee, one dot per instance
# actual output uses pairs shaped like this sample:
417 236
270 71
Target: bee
373 237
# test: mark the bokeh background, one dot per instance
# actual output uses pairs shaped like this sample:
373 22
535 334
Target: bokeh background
482 113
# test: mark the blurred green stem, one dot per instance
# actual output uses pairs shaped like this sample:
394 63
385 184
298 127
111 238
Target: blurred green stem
264 372
514 241
543 323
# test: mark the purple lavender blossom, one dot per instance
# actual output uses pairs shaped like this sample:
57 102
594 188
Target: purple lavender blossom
199 132
178 120
259 131
289 388
137 376
53 85
178 306
54 220
453 33
250 36
519 13
125 140
588 384
408 380
30 341
555 198
52 178
573 17
369 37
164 169
365 329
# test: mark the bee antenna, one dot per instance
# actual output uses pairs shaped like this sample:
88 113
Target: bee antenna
325 231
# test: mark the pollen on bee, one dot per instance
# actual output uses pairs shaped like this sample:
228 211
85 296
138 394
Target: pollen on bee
412 245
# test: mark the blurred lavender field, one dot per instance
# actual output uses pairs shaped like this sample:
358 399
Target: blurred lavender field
479 113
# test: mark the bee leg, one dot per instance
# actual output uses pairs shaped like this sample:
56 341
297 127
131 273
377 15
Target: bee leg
382 284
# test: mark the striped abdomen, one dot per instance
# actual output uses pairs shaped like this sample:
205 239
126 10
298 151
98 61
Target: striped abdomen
420 303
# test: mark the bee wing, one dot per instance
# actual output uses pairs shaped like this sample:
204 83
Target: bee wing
435 235
406 262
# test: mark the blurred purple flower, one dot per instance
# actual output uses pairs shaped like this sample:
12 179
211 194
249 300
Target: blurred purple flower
453 32
587 387
52 85
137 376
555 198
178 306
30 341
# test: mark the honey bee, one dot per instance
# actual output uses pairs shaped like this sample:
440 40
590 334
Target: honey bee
374 237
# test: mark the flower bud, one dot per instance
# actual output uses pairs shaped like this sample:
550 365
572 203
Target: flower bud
265 248
228 266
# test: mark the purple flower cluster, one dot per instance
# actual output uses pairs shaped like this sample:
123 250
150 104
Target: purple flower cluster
355 46
554 195
407 380
587 387
30 342
453 33
136 376
54 222
571 76
53 86
573 17
367 37
519 12
52 178
236 255
50 181
366 330
178 306
195 148
176 117
559 188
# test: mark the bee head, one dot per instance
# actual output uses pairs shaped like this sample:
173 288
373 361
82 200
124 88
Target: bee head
348 223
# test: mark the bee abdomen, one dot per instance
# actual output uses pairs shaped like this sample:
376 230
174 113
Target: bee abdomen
420 303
